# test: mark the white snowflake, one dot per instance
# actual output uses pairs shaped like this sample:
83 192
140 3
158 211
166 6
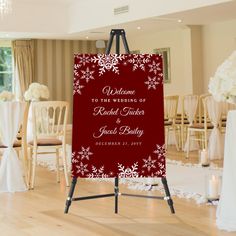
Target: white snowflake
76 67
154 67
108 62
97 173
83 59
160 78
74 158
77 87
73 155
161 171
161 166
82 168
128 172
139 61
87 74
161 152
151 82
85 153
149 163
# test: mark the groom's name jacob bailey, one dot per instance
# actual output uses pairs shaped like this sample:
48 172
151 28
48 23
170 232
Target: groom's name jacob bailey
122 130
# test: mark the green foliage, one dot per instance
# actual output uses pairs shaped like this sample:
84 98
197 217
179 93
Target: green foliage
5 68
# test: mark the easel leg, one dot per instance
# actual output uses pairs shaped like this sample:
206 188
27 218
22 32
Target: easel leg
71 193
116 190
168 197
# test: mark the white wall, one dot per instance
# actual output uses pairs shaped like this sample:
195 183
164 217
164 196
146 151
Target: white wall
219 41
179 41
196 52
197 63
5 43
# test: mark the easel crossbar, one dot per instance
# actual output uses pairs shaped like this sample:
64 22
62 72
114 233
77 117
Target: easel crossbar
94 196
113 194
142 196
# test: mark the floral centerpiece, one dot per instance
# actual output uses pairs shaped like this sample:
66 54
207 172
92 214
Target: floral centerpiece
36 92
223 85
6 96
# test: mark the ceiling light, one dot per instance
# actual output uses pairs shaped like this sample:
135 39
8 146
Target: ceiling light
179 20
5 7
138 28
86 37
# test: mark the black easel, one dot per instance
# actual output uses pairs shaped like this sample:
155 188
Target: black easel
118 33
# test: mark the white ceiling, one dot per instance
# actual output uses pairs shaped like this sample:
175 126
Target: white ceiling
50 19
199 16
42 1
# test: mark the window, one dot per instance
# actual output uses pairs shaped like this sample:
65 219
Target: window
5 69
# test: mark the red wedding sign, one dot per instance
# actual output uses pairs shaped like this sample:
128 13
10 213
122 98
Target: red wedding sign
118 121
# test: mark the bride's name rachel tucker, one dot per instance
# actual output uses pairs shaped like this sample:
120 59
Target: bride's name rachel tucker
125 111
122 130
109 91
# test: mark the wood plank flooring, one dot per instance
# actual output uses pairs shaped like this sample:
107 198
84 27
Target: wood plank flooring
39 212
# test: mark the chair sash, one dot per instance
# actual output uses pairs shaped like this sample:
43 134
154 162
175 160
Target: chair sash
214 110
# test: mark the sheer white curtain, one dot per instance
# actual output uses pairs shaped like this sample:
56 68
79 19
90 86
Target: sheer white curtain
215 147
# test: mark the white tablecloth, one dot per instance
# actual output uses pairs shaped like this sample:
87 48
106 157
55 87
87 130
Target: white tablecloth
226 211
11 175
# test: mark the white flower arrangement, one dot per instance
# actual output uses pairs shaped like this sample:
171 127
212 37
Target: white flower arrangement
6 96
223 85
36 92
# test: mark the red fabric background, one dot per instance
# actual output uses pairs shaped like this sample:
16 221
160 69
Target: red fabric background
129 155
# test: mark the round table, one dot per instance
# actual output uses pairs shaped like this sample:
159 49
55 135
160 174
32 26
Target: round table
11 175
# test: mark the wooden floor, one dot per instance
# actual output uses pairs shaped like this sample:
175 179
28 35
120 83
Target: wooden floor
40 212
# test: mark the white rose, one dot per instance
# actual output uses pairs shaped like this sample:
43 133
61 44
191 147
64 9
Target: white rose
44 92
34 86
223 85
28 95
35 93
6 96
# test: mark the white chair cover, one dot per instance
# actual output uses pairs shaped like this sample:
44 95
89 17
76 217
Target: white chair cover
226 210
215 147
190 108
11 175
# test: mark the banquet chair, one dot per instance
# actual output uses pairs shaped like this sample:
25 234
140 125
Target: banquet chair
200 117
49 133
198 131
189 115
170 114
20 145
